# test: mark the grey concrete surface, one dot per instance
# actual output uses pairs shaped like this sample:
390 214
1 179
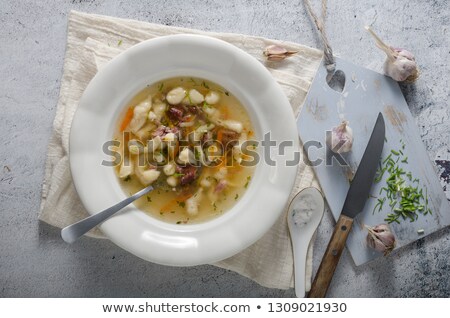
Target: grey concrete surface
34 262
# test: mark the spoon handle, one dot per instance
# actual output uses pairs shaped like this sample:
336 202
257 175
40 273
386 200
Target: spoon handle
300 254
72 232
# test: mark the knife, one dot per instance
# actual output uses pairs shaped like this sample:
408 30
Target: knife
354 203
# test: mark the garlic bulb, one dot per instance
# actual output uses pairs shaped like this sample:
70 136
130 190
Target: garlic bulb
341 138
277 53
380 238
400 64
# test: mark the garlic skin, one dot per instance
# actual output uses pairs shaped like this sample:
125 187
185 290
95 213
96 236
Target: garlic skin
277 53
381 239
341 138
400 64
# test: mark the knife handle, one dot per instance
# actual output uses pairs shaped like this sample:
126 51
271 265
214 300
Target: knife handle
331 257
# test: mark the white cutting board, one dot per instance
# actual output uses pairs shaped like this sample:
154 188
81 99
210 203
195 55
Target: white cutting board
365 94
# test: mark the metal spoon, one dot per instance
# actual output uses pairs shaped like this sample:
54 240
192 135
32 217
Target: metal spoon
72 232
304 215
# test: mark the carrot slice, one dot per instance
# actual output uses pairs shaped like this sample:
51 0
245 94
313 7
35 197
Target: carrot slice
181 198
235 169
126 120
220 135
225 112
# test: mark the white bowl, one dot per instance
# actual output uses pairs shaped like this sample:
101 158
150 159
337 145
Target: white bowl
97 114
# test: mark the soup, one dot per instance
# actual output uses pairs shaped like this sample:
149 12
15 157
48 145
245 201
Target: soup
191 140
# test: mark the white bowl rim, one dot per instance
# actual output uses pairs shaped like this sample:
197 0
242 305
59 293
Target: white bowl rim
137 232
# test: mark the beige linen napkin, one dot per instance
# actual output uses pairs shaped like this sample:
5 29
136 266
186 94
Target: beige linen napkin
92 41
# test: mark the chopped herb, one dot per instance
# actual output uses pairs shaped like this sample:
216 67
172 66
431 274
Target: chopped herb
379 205
384 189
392 218
215 206
379 174
161 212
193 81
172 211
127 178
181 204
178 222
236 196
392 203
227 93
197 154
160 87
176 174
188 97
248 181
119 43
149 199
405 200
205 85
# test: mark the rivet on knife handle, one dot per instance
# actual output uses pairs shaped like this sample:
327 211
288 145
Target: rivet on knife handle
331 257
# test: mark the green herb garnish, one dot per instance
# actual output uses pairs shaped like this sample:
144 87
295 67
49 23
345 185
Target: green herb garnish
248 181
405 198
379 205
188 97
127 178
197 155
119 43
160 86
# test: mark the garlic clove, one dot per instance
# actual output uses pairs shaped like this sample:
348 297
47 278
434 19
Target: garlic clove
405 68
380 238
400 64
277 53
341 138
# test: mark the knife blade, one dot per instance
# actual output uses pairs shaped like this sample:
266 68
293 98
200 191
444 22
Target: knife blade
354 203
